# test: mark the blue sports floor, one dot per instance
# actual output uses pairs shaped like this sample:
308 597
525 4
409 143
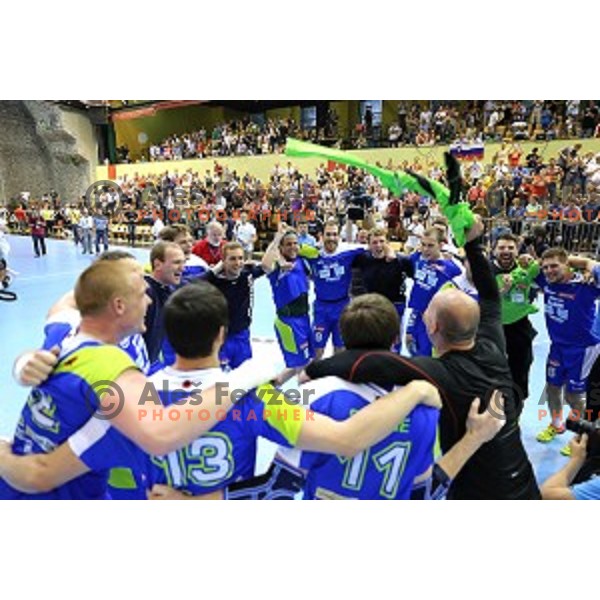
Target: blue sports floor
41 281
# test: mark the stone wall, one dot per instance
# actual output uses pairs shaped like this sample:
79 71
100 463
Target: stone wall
41 150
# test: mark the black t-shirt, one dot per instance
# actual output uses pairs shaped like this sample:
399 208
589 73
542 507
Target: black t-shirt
240 295
384 277
500 469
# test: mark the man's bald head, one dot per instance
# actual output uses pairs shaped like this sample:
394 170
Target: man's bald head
454 316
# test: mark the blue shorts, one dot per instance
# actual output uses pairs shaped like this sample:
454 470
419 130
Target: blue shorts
236 350
327 322
570 366
295 340
416 327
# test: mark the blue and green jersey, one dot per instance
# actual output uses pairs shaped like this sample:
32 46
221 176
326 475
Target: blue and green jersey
386 470
62 405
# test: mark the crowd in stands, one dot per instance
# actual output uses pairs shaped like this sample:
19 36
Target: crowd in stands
444 122
236 138
545 200
416 124
515 190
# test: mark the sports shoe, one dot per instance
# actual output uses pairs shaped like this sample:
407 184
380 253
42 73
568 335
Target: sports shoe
566 450
550 433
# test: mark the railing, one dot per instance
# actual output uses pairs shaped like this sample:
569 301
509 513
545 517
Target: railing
576 236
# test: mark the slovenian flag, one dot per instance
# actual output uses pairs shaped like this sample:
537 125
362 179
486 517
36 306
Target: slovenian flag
467 151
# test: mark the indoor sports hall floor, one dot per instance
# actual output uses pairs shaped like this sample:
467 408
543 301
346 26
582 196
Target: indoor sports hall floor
41 281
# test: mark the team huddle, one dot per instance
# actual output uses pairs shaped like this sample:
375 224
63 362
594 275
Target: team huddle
173 346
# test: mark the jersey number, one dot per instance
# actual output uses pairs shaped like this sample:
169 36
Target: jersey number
390 461
207 461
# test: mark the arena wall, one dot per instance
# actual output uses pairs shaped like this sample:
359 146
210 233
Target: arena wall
262 166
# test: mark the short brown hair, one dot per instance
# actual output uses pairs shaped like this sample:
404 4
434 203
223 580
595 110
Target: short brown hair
102 281
230 247
556 252
370 321
159 251
171 232
377 232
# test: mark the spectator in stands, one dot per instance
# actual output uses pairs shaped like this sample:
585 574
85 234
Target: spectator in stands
245 234
415 231
101 228
533 159
552 174
514 155
86 225
131 218
303 236
481 209
533 210
157 227
394 135
476 192
210 249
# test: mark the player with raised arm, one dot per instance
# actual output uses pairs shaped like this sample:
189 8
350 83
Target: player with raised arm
288 276
570 309
331 271
235 279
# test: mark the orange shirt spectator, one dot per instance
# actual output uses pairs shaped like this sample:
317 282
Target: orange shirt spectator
20 214
514 157
552 173
475 193
538 186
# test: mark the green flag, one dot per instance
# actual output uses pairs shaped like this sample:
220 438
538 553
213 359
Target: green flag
459 214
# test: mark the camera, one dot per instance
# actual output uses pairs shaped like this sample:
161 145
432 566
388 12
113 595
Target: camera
591 466
592 428
357 203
